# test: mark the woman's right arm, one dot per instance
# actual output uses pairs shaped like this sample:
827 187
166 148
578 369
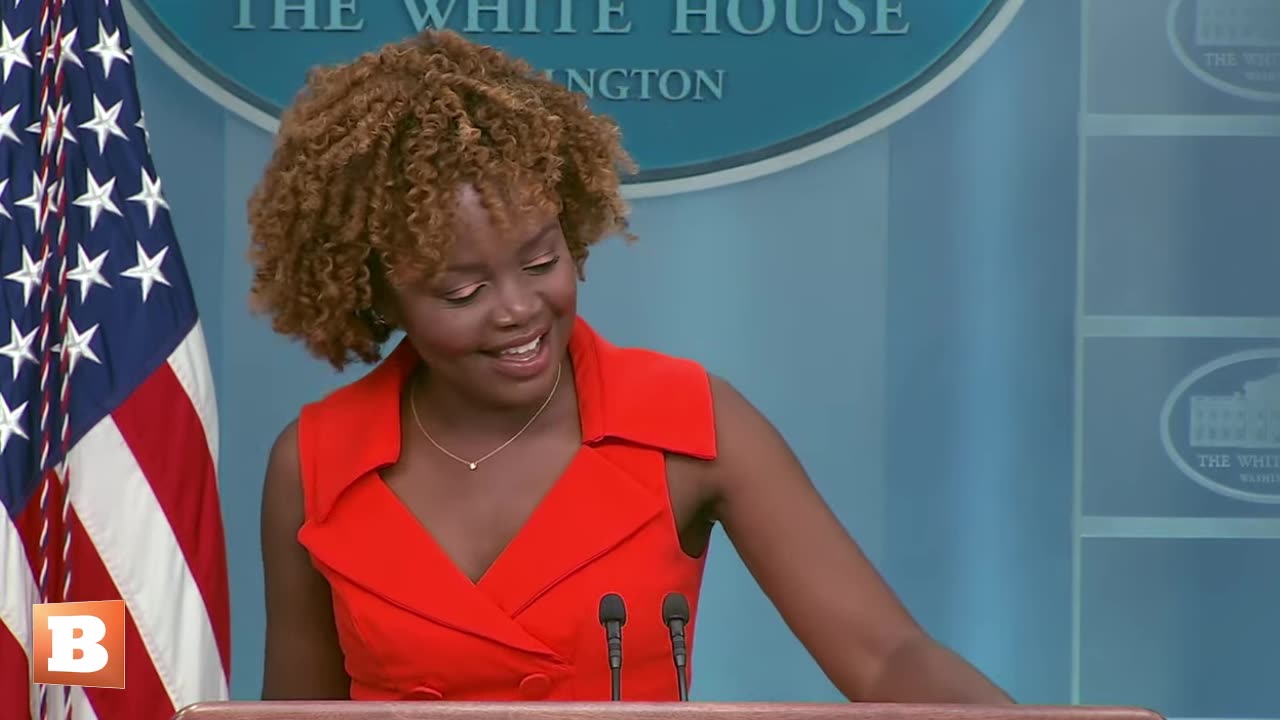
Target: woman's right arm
302 657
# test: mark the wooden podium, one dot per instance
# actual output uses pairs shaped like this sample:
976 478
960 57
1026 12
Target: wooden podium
307 710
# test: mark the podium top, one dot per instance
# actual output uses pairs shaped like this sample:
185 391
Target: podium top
345 710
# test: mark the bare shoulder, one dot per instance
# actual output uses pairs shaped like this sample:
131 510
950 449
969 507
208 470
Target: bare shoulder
282 496
745 439
797 549
303 659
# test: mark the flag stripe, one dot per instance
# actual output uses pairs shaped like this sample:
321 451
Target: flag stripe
144 695
190 363
182 482
29 522
15 696
17 595
119 510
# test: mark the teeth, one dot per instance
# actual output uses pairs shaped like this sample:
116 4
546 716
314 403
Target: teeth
523 349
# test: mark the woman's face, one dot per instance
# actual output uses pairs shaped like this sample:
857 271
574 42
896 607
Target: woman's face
494 326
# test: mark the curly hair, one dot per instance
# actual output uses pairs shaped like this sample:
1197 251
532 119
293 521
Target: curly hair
363 177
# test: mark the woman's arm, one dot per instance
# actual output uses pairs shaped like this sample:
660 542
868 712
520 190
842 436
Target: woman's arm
302 659
827 591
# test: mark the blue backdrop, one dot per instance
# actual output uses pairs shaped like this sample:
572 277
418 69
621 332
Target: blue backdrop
997 297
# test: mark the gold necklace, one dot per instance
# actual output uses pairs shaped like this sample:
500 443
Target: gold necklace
471 464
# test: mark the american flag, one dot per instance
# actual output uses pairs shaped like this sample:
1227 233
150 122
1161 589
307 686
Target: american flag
108 422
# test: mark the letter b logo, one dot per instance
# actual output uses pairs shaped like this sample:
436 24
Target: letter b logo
80 643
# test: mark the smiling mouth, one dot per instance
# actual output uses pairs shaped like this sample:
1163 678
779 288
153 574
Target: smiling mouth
519 353
523 352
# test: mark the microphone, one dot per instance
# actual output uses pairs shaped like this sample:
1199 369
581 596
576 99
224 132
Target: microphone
613 615
675 613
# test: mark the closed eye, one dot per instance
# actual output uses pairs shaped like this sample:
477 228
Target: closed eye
463 299
544 266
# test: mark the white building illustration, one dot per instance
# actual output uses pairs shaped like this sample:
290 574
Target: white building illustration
1237 23
1248 419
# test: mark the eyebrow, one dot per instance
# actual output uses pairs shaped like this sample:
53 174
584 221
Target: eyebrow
539 236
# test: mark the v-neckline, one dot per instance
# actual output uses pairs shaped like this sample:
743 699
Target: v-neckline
528 526
584 395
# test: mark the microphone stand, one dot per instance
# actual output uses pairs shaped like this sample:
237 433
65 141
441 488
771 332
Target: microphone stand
675 613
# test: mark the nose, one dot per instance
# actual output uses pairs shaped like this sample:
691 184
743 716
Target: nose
518 303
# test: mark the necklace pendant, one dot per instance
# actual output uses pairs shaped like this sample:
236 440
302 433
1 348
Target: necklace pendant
472 466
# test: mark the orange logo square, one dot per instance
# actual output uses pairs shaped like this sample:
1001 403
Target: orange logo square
78 643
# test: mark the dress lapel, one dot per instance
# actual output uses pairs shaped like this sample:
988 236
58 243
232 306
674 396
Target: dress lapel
594 507
393 558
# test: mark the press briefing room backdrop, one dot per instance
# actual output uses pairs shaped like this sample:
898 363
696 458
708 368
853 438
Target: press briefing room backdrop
1003 273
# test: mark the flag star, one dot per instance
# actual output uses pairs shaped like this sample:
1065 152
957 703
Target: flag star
69 49
88 272
104 123
29 276
108 48
148 270
11 422
150 195
34 201
78 345
19 347
4 183
11 50
98 198
6 125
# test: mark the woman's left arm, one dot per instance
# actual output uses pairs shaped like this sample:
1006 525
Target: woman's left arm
825 588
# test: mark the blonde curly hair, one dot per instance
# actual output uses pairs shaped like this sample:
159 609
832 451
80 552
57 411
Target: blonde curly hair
367 162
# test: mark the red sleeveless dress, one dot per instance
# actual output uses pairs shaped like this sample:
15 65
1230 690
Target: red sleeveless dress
413 626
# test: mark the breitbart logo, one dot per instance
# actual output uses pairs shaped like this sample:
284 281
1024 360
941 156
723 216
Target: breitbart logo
78 643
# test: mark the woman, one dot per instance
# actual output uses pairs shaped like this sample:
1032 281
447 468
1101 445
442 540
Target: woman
446 526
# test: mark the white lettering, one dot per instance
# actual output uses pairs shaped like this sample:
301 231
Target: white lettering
306 7
429 13
336 9
566 17
608 9
793 18
65 643
530 16
883 11
768 11
1258 462
618 84
1214 461
1262 60
855 13
802 17
1220 59
709 13
243 19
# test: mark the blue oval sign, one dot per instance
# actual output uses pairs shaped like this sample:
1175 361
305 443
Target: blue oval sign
1221 425
1232 45
707 92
